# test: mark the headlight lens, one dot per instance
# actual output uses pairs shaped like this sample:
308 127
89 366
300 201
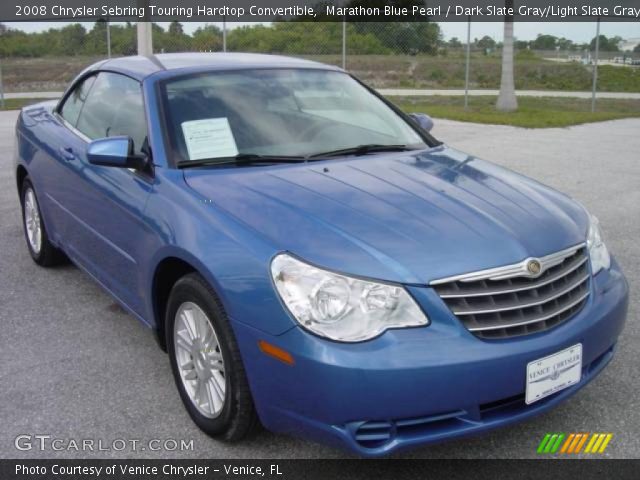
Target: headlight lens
339 307
598 252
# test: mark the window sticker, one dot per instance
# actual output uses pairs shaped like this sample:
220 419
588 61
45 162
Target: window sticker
209 138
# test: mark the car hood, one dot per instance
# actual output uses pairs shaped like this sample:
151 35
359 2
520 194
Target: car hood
406 217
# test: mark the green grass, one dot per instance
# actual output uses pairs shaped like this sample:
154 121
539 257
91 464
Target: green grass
18 103
531 71
540 112
533 112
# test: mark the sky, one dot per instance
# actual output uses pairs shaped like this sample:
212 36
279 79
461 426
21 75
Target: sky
579 32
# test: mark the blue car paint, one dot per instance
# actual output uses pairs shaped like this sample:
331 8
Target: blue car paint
422 372
408 217
402 217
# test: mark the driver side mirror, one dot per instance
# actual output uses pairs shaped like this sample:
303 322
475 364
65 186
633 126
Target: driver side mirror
423 120
115 152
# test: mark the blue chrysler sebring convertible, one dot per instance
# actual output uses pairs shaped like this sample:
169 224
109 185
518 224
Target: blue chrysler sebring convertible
312 258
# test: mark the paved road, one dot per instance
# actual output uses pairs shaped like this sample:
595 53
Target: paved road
73 364
20 95
410 92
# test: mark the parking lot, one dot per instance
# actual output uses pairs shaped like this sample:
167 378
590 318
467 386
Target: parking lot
74 365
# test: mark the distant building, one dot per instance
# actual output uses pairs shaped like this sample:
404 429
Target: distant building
629 44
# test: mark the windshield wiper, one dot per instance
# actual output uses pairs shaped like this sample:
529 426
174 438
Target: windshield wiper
254 159
241 159
363 150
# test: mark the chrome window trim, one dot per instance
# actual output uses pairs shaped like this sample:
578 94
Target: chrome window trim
73 129
514 270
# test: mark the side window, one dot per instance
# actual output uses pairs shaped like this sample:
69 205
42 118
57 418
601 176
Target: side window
72 106
114 107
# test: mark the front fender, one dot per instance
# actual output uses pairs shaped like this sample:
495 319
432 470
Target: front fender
229 255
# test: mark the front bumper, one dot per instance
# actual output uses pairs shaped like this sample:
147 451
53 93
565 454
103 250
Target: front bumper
415 386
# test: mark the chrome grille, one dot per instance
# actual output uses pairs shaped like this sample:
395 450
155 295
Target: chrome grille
508 301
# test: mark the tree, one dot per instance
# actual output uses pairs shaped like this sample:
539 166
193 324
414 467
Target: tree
95 43
566 44
637 48
455 43
173 40
615 43
544 42
404 37
69 38
175 28
207 38
606 44
507 101
486 42
124 39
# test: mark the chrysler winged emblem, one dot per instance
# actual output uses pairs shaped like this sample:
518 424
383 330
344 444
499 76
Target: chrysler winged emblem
534 267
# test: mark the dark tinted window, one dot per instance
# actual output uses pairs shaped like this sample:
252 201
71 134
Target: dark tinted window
114 107
73 104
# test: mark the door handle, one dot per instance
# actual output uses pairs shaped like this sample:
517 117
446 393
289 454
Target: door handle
67 153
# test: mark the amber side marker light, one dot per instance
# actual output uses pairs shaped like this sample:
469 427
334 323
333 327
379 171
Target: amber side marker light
275 352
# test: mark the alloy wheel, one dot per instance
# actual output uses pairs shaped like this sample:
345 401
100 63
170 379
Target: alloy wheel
199 359
32 221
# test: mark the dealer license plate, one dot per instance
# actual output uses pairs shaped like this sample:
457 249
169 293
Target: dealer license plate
551 374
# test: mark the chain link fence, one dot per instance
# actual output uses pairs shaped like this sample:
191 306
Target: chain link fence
47 61
385 55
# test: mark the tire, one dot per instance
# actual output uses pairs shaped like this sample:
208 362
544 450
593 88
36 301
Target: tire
235 418
40 247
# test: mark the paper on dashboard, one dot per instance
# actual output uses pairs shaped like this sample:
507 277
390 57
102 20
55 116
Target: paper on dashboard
209 138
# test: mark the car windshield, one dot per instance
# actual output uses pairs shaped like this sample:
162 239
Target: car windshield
279 112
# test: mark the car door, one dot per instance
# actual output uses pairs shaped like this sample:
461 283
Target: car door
58 143
106 229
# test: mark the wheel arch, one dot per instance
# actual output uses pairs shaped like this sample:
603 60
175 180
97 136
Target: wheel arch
167 272
21 174
171 267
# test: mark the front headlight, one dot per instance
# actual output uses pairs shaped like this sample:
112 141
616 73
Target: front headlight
598 252
342 308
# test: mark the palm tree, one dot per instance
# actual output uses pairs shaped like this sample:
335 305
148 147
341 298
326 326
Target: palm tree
507 101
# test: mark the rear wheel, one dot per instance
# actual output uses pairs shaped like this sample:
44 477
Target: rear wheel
206 362
41 249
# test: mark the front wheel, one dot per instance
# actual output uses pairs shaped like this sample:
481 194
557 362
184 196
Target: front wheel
206 362
40 247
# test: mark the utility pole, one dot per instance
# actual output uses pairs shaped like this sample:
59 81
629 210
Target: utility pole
224 33
595 68
108 38
466 70
507 100
1 89
344 43
145 45
145 40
